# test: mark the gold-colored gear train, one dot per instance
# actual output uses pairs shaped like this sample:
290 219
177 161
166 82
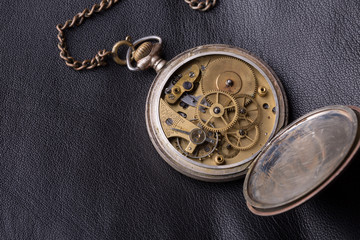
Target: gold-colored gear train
212 115
230 75
240 138
249 110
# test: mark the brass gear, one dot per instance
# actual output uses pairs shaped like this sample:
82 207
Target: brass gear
241 75
249 110
242 139
220 103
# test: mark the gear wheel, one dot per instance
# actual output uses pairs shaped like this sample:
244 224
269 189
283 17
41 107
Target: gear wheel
242 139
249 111
220 103
231 75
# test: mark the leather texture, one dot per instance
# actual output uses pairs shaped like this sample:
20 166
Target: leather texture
76 161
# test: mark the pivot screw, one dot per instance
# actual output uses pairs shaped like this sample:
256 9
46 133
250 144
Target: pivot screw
217 110
229 83
242 132
243 111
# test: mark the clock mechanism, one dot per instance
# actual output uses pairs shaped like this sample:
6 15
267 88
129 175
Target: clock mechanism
217 110
212 109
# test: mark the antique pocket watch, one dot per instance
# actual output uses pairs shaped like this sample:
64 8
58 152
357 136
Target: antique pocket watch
211 110
217 112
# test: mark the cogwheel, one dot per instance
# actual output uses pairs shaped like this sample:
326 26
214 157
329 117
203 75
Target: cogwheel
255 84
212 117
202 150
249 111
242 139
231 75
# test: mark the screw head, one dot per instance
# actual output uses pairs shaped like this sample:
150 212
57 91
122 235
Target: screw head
187 85
167 90
229 83
242 110
169 121
191 74
217 110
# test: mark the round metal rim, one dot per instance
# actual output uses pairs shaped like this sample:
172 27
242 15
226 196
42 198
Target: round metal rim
205 173
288 206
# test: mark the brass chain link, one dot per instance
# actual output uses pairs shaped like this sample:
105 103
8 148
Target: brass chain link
100 58
200 5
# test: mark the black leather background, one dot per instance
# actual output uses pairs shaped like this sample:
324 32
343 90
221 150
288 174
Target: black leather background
76 161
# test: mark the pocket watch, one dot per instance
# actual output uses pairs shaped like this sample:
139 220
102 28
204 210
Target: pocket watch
217 112
211 109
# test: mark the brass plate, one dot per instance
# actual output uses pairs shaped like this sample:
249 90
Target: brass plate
301 160
193 111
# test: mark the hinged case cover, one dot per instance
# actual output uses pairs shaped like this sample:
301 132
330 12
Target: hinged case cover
302 159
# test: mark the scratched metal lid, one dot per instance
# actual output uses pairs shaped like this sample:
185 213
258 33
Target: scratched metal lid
302 159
